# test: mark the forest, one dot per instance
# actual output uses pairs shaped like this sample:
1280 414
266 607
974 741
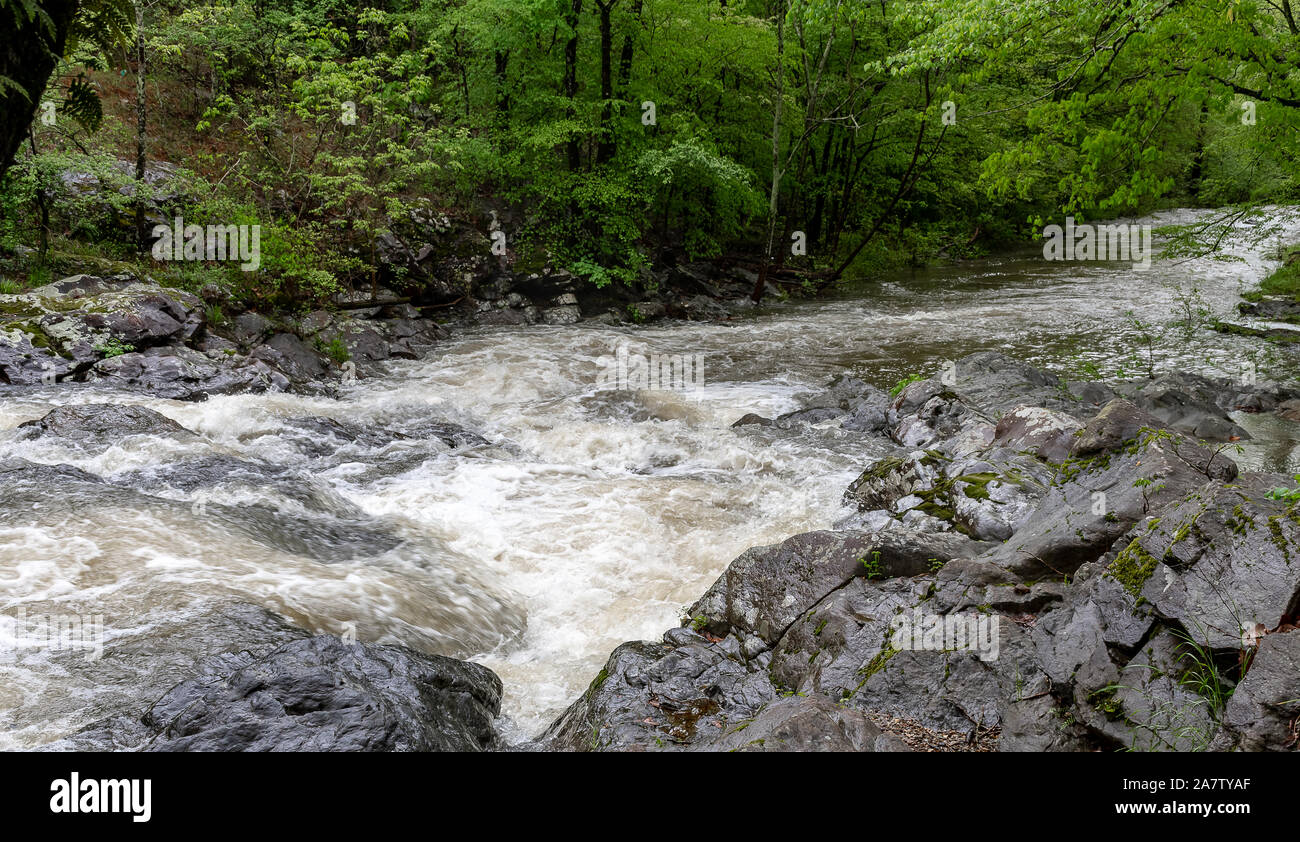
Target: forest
832 137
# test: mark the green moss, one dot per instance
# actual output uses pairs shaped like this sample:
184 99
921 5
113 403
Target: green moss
876 664
1073 468
1240 522
1279 539
1132 567
976 486
598 681
1104 702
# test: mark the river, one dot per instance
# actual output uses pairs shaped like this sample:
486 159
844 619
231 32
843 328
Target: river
588 517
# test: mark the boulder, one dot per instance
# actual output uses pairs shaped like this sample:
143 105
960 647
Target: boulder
104 423
181 373
766 589
811 724
1221 558
662 696
1264 711
1043 433
293 357
317 694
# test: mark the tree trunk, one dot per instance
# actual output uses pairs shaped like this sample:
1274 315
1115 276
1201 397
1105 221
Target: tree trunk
503 91
42 211
28 57
777 109
627 53
141 113
571 78
605 146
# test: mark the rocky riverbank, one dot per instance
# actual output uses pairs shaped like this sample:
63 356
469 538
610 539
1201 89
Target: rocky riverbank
127 332
1145 593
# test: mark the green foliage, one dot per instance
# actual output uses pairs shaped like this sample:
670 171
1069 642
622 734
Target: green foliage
1285 280
336 349
1202 673
886 133
114 347
898 387
1287 494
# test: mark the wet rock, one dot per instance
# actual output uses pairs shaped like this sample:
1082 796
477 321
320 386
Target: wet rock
892 479
1096 501
1188 403
503 317
1074 642
661 696
815 415
704 308
1264 711
136 669
943 691
58 331
293 357
324 694
364 343
1039 724
1119 422
750 419
1273 308
251 328
567 314
315 321
181 373
319 436
828 647
1046 434
928 415
26 360
995 383
20 476
647 311
141 315
1149 707
986 496
767 588
866 417
105 423
203 471
1222 558
991 494
800 724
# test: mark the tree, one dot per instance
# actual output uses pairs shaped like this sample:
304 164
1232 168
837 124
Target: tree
35 36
